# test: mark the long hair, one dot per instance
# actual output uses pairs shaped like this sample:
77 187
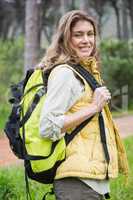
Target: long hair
60 51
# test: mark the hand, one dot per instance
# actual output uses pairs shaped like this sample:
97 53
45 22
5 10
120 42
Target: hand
101 96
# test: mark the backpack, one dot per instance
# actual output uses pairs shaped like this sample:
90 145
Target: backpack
41 156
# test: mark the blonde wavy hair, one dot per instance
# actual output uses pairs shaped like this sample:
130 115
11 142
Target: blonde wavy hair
60 50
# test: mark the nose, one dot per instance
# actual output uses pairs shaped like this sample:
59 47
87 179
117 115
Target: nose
85 38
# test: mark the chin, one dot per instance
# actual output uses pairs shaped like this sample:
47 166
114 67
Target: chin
84 56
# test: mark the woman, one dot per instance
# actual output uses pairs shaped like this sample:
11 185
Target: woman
69 102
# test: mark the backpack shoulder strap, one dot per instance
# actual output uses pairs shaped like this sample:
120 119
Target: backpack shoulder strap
82 73
87 76
94 84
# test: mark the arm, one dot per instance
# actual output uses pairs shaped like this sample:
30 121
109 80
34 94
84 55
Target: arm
63 91
78 117
100 97
60 98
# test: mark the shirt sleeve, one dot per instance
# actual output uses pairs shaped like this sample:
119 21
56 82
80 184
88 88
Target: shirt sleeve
59 98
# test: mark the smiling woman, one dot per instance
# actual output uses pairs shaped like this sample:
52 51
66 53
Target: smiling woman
83 38
61 49
89 163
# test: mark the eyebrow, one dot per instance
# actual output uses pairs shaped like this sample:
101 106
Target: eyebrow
82 31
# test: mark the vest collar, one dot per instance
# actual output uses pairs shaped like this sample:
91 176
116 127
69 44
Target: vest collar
90 65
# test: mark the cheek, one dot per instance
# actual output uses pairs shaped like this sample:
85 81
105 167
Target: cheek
73 46
74 42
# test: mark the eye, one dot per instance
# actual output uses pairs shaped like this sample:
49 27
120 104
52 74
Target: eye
91 33
77 35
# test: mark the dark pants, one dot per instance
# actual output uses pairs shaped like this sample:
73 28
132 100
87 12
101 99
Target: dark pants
74 189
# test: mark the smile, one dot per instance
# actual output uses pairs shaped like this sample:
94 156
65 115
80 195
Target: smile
84 49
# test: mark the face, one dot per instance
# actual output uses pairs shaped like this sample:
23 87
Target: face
82 38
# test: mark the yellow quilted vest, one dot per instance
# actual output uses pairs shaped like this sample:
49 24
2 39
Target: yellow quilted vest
84 155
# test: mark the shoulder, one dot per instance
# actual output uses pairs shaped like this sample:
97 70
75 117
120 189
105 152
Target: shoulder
62 71
62 68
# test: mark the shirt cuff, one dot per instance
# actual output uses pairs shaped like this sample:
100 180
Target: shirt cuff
51 126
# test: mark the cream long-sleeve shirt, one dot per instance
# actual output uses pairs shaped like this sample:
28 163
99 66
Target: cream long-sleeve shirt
64 89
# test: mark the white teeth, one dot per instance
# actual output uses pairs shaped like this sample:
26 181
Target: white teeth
84 48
